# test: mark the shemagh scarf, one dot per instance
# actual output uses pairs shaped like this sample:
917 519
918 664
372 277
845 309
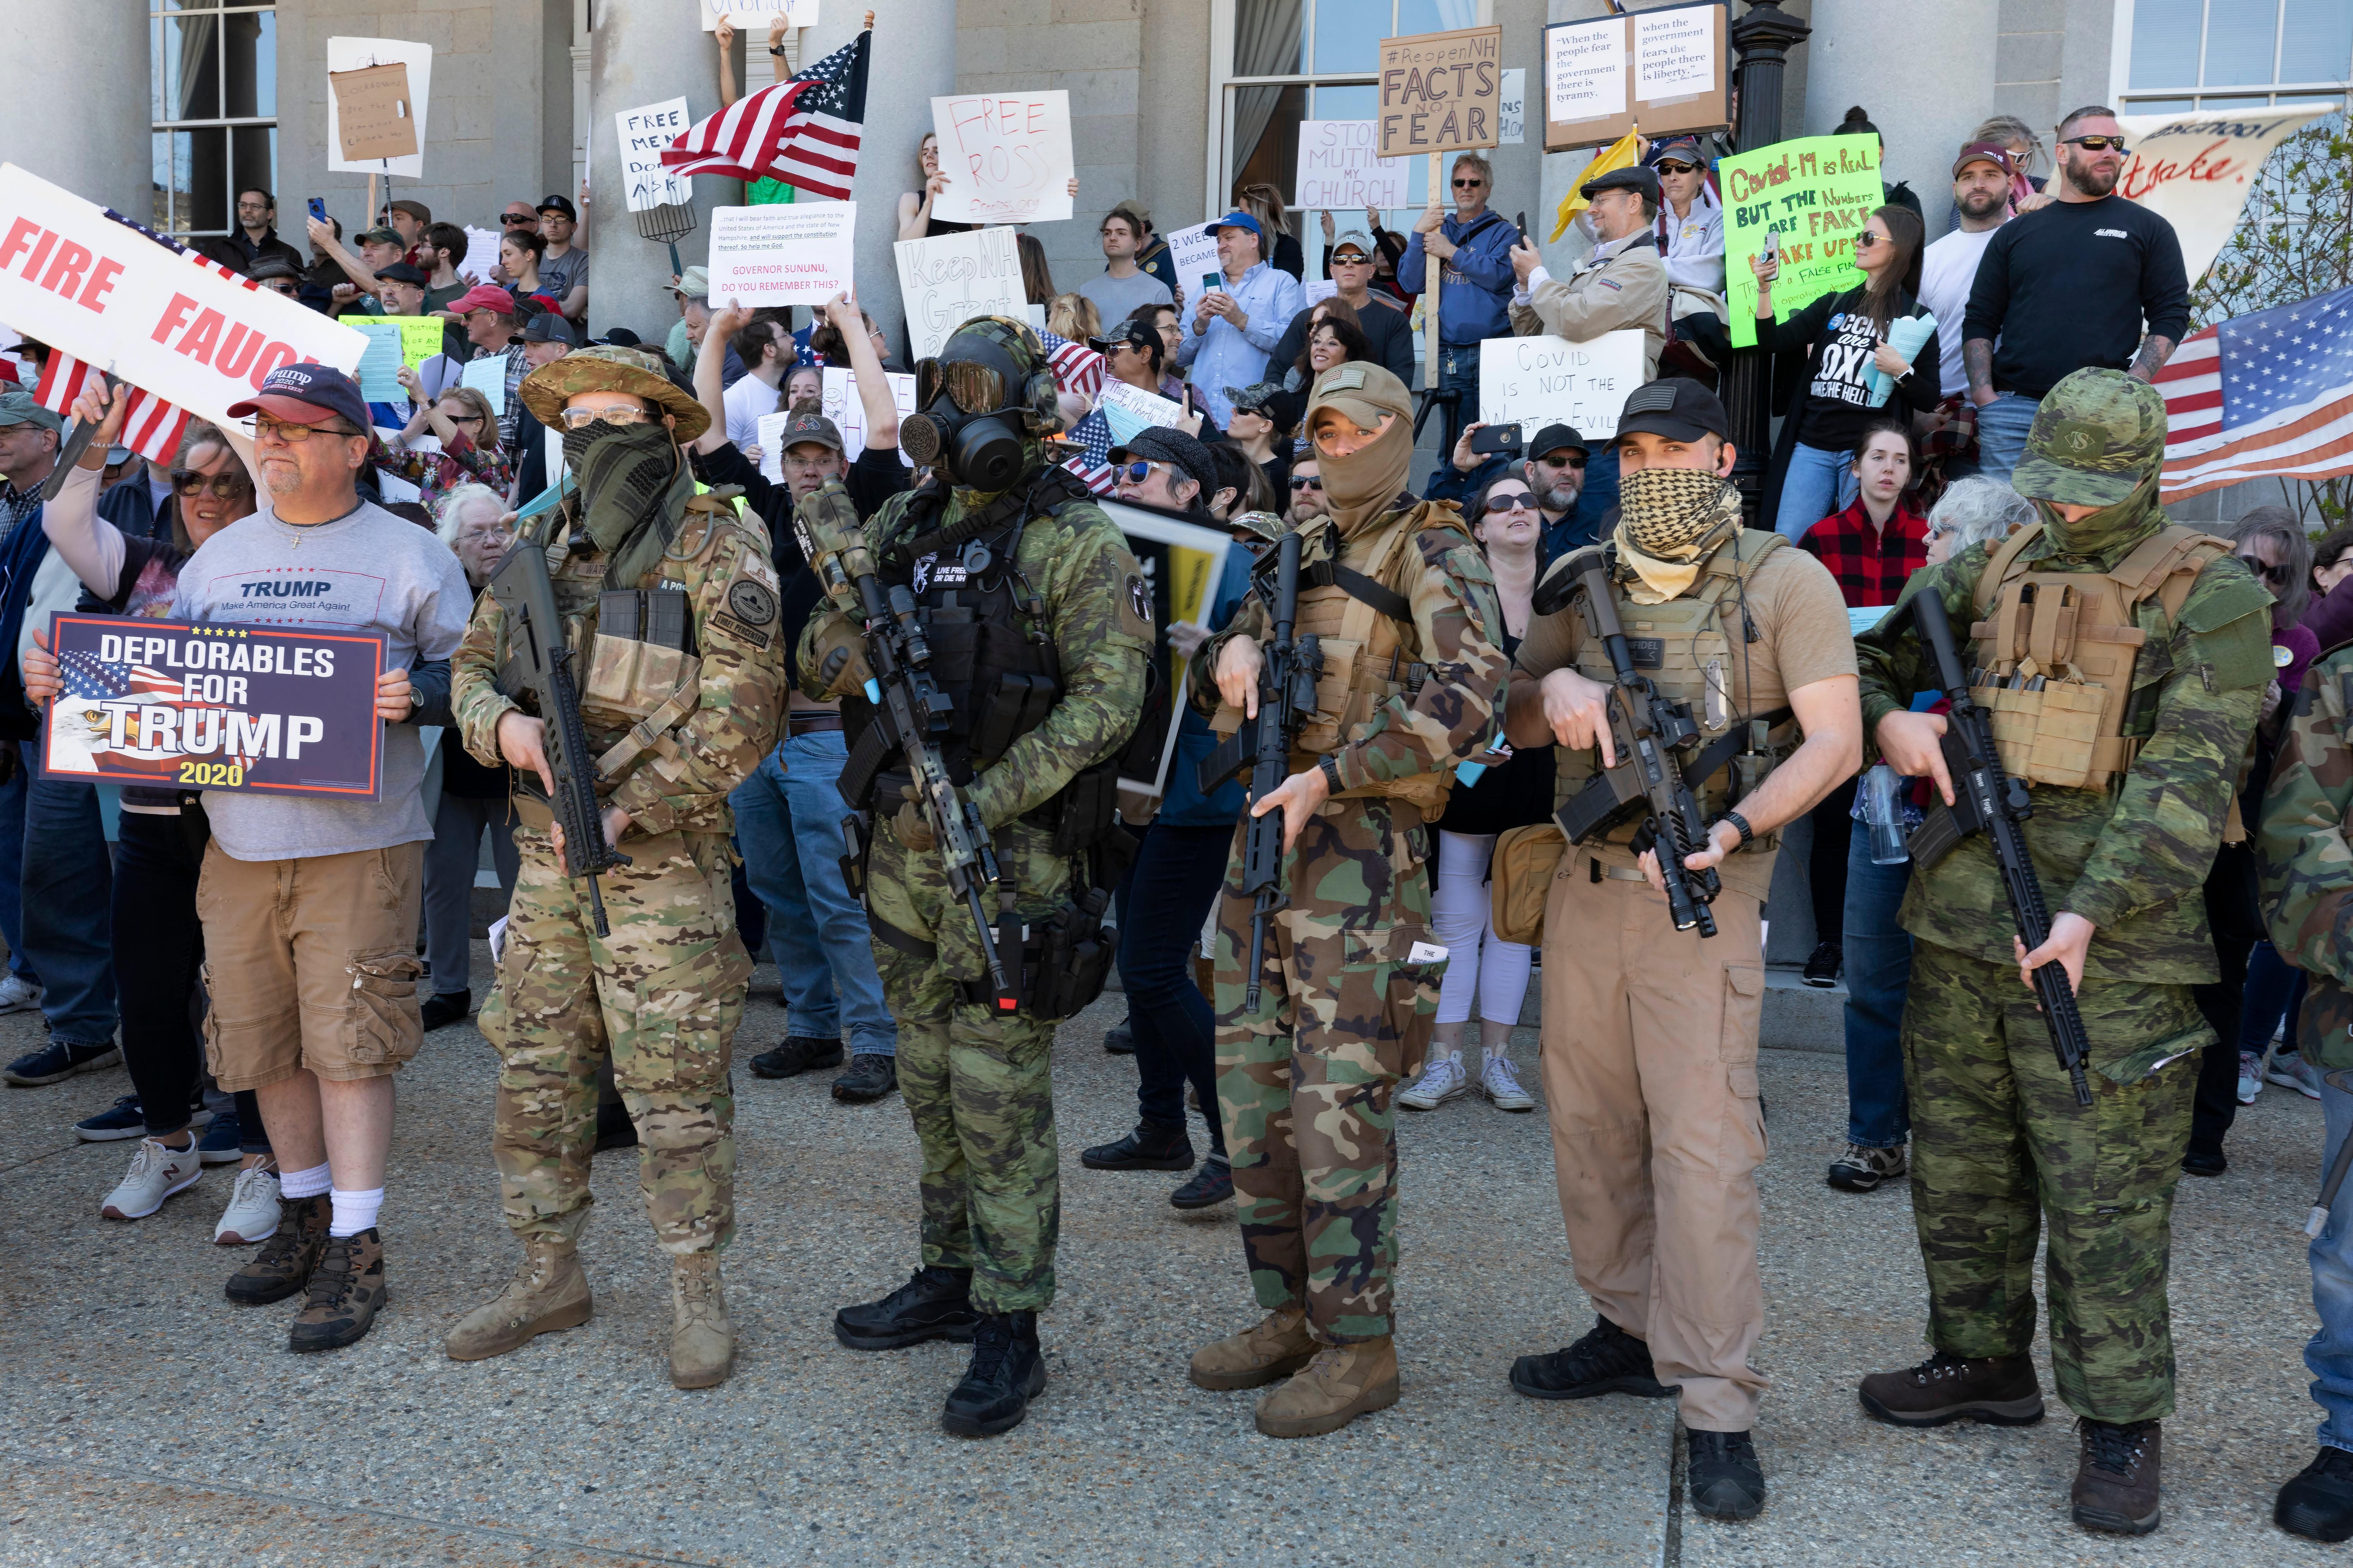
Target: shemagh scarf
1668 520
634 487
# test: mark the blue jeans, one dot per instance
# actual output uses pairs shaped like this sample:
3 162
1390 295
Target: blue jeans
2274 993
1818 483
2328 1355
1878 973
67 888
1458 371
2002 429
12 867
789 820
1171 885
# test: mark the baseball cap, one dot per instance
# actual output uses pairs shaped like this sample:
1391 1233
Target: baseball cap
20 407
1257 397
694 283
483 296
1132 334
549 327
1685 148
559 205
402 272
1985 153
2096 437
118 456
810 427
1361 391
1160 445
1677 408
1238 219
1645 181
375 237
1133 208
1553 438
1356 238
307 394
620 338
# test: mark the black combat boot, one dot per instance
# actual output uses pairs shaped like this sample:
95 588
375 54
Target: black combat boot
2318 1503
1005 1374
1608 1360
1724 1481
1152 1146
1998 1390
935 1304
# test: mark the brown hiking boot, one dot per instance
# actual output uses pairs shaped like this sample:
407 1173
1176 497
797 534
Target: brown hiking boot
2117 1485
346 1290
701 1339
1341 1384
1998 1390
287 1260
548 1292
1273 1349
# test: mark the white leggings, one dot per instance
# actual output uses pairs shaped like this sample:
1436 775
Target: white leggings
1462 917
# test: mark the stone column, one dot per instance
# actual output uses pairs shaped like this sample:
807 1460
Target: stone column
1763 37
1853 59
78 113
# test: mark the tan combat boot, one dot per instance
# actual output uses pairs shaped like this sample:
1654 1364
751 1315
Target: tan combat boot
1275 1349
548 1292
1341 1384
701 1339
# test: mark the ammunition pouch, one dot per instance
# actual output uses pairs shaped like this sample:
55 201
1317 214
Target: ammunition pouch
1064 963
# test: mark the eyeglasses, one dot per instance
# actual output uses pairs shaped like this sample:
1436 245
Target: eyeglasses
1467 185
1517 500
1306 482
2276 576
268 429
1671 167
581 418
973 388
228 485
2096 143
463 418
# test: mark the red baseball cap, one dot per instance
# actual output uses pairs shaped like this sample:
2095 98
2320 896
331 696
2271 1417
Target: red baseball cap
1985 153
484 297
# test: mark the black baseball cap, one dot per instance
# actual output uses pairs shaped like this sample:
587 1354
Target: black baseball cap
1160 445
271 267
548 327
559 205
1646 181
307 394
1553 438
1135 334
620 338
1677 408
402 272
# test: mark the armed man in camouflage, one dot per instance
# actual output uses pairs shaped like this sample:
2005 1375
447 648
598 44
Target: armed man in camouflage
1035 623
673 722
1412 675
2124 660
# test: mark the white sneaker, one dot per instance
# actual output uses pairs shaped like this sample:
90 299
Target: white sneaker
155 1173
1498 1083
18 995
252 1213
2251 1077
1440 1080
2290 1070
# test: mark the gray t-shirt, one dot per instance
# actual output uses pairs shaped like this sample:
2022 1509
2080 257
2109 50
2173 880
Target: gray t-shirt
367 571
559 275
1116 298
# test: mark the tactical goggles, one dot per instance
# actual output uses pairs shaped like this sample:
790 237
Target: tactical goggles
973 388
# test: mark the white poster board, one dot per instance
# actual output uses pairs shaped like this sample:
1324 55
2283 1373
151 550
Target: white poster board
1674 53
1340 171
1192 252
1586 72
1511 108
644 133
1537 381
488 377
1006 155
840 404
2196 170
946 280
1183 565
482 255
358 54
746 15
794 253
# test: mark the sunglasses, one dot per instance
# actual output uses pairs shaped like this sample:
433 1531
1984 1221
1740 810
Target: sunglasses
227 486
2273 574
267 429
1866 239
1574 460
1134 473
1467 185
463 418
1518 500
2096 143
1674 168
511 219
1306 482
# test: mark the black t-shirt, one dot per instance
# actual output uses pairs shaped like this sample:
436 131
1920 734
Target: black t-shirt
1840 342
2070 285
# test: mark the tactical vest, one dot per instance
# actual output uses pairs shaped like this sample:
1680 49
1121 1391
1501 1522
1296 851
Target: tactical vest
1691 649
2056 652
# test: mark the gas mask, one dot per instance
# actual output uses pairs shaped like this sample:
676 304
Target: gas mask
973 406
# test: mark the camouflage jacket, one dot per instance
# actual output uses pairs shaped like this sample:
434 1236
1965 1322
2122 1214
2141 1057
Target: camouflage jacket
723 565
1097 612
2307 863
2134 860
1456 622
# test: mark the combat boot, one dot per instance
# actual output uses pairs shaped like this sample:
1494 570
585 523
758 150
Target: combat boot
1005 1374
1272 1350
1999 1390
1341 1384
701 1339
548 1292
287 1259
1608 1360
2116 1481
935 1303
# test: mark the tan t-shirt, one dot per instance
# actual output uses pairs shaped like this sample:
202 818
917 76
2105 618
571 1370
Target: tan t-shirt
1801 638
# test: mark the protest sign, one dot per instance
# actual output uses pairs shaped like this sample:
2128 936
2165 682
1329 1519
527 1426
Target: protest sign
1182 564
251 710
794 252
1129 409
374 118
1337 168
949 279
839 402
1192 251
420 336
348 56
1535 381
747 15
644 133
110 297
482 255
1006 155
769 432
2196 170
1814 194
379 367
1319 289
1665 69
488 377
1511 108
1440 91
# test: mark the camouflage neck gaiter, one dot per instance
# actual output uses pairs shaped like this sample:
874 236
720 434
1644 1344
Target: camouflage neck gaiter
1667 520
2109 532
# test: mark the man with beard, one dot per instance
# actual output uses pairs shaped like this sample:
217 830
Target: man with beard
2131 794
1983 177
1307 499
2069 286
678 710
1306 1079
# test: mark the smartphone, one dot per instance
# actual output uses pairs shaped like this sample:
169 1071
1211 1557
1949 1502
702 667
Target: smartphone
318 209
1504 438
1520 223
1211 282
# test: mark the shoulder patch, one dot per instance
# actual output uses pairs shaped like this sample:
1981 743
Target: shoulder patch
1135 607
753 636
751 602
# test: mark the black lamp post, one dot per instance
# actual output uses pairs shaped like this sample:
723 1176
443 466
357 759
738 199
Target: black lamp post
1763 39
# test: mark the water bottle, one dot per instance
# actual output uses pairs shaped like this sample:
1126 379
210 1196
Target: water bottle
1882 810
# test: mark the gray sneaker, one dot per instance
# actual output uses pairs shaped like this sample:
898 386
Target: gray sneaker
1441 1080
1862 1168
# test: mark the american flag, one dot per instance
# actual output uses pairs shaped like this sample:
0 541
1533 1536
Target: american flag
1093 466
90 679
2263 397
1077 368
804 131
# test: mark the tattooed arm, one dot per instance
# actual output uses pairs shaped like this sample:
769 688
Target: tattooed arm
2154 351
1977 358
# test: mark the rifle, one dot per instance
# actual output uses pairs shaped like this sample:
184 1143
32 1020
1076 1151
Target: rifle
907 700
1286 701
1985 798
539 665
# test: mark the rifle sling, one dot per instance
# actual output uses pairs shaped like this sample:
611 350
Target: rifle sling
1367 592
892 936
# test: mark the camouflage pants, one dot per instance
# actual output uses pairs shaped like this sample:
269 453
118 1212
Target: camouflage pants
979 1084
1998 1141
660 996
1306 1083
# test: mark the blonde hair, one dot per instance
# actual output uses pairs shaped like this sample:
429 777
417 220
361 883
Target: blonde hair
1264 202
1073 316
2002 130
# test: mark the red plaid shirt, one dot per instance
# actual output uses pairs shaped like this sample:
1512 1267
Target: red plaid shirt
1871 564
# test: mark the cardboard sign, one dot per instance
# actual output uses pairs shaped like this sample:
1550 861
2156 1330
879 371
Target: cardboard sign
840 404
1665 69
1533 382
644 133
794 253
1440 93
2197 170
1339 169
112 297
248 709
744 15
946 280
373 114
1006 155
1814 194
353 57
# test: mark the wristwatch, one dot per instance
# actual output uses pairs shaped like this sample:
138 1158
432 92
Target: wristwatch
1740 822
1331 769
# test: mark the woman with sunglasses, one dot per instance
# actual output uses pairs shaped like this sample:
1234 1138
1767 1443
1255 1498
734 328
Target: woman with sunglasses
1690 226
1515 790
1845 339
462 421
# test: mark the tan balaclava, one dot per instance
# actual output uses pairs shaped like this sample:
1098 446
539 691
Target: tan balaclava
1360 487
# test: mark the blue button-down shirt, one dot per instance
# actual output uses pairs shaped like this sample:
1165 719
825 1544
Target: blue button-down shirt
1223 357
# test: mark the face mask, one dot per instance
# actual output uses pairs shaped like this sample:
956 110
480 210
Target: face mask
975 451
2128 521
1667 518
577 442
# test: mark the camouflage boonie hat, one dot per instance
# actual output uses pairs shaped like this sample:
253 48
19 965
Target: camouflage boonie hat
2097 436
603 367
1019 343
1267 525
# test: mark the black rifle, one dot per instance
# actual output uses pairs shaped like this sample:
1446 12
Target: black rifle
1989 800
1649 734
539 667
1286 701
